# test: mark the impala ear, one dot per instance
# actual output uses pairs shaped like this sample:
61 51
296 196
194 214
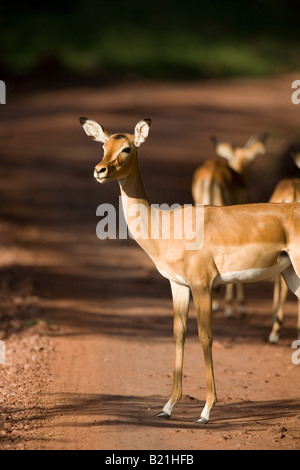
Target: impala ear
94 130
141 131
296 157
223 149
257 145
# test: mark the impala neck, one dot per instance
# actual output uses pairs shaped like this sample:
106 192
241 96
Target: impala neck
133 194
132 187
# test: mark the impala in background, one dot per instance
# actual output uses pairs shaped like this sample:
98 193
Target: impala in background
224 183
287 190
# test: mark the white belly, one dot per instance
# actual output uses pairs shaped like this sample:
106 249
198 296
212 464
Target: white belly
252 275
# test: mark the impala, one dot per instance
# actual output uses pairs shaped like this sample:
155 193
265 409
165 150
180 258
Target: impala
224 183
241 243
287 190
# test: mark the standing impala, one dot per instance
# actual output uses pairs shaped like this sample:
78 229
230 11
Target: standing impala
240 243
287 190
224 183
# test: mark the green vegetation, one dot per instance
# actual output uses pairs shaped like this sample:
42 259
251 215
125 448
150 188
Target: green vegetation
166 39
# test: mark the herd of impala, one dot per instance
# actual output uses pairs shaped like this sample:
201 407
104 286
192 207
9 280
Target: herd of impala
242 242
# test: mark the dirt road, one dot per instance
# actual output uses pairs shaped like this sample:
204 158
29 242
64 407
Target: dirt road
87 324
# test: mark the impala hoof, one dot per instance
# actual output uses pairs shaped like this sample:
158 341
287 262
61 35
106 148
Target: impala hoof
163 414
242 310
201 421
229 313
273 338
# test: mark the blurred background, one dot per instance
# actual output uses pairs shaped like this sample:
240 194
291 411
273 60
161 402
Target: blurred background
97 42
196 68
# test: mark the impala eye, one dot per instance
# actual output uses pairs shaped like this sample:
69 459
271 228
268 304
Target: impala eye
127 150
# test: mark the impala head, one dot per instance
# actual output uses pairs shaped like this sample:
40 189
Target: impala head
120 150
240 158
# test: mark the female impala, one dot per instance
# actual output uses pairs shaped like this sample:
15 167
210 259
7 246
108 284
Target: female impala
287 190
241 243
224 183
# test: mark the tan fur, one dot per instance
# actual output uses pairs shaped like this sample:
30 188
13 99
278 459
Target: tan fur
216 183
236 238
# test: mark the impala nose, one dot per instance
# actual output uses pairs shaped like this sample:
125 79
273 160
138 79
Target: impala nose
100 172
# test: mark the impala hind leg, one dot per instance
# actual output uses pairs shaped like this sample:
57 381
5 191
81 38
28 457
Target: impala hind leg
181 300
293 281
215 298
279 298
240 297
202 300
229 301
298 322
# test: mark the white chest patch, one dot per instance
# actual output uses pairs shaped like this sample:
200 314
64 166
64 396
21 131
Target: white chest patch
252 275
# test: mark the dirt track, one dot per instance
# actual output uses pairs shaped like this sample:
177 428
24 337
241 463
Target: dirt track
87 323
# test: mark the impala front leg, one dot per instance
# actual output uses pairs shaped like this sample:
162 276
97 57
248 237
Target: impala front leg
181 299
202 301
